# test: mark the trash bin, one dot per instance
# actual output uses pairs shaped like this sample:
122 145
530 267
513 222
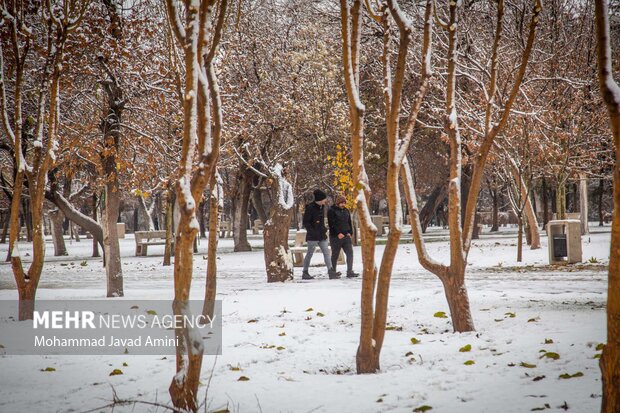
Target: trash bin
564 238
559 246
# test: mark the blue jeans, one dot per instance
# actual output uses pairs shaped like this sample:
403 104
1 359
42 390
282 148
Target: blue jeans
324 249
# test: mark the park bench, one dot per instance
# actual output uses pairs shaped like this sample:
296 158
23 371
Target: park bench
226 229
146 238
381 223
298 251
258 225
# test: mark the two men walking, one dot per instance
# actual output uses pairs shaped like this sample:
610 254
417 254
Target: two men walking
340 232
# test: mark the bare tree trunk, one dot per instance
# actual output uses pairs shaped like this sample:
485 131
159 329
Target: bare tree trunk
458 301
560 200
202 127
41 155
211 287
520 237
146 213
275 235
583 203
476 231
545 202
95 241
241 200
258 205
495 213
74 215
56 219
601 191
610 91
110 127
5 230
169 201
27 219
575 201
436 198
201 219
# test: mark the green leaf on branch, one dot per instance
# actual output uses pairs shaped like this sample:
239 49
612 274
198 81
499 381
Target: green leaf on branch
440 314
415 340
469 362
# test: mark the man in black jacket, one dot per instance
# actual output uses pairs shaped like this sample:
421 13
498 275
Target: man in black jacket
316 235
340 232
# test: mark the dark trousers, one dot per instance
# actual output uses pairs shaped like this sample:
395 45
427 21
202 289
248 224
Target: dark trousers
345 244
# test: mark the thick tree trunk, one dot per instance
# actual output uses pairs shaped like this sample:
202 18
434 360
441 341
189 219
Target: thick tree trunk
112 198
56 219
111 247
275 235
458 301
257 201
436 198
240 210
74 215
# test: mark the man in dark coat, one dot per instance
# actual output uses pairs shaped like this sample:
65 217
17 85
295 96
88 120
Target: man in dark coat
340 232
316 235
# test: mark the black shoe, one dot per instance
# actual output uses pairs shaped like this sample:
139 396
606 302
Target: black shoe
306 276
333 274
352 274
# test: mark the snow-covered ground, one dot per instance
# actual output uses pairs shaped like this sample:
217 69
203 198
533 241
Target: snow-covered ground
520 311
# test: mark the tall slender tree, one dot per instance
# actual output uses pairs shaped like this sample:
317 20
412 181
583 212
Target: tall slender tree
198 27
610 91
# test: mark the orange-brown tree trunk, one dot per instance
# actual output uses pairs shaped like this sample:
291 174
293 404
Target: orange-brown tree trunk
211 286
202 126
610 360
458 301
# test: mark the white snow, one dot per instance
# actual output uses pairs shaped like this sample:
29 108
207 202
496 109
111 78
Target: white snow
452 118
286 199
184 184
515 307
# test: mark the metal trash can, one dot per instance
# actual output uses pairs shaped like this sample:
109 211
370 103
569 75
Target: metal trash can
559 246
